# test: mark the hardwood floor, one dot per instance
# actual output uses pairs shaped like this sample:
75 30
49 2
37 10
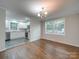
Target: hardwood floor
41 49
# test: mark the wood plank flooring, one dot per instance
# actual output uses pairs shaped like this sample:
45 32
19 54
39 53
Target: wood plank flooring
41 49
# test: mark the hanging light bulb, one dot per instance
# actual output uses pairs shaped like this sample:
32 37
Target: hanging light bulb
38 15
45 13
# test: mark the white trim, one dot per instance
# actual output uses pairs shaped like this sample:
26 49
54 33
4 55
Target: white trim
2 50
54 34
67 43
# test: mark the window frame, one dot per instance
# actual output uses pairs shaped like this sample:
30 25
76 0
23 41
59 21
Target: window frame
53 33
15 23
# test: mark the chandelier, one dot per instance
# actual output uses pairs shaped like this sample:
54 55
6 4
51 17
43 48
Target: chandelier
43 13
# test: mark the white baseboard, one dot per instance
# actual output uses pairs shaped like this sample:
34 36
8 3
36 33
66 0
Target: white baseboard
2 50
65 43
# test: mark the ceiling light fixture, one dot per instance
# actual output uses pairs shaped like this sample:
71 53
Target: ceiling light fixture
43 13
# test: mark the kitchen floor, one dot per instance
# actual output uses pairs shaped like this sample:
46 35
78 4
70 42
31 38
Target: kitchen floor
15 42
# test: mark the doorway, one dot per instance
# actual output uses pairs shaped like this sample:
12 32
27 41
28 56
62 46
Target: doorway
17 31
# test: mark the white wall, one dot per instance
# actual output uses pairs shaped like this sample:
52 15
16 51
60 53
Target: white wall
34 29
71 36
2 29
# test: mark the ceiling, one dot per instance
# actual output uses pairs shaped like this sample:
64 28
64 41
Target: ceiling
30 8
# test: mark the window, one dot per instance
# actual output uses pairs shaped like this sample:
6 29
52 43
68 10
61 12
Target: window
54 26
13 26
